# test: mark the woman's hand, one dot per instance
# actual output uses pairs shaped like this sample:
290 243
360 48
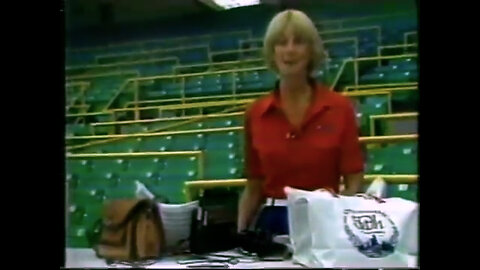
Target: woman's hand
352 183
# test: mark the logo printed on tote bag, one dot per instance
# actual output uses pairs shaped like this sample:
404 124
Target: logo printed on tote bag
373 233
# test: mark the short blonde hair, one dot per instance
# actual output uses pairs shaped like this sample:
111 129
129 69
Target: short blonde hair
302 26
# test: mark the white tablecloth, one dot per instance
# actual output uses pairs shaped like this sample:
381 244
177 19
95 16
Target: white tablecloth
85 258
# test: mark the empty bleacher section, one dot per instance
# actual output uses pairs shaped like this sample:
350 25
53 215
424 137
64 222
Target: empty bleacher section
168 112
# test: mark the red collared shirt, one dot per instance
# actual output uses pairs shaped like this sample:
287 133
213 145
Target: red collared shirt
314 156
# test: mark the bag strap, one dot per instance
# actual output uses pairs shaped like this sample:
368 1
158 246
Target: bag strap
370 197
134 264
119 212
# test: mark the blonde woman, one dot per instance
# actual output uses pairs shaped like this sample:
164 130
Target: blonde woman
302 134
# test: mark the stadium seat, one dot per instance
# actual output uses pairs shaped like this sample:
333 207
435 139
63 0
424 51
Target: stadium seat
221 164
155 144
188 142
222 141
181 168
78 130
405 191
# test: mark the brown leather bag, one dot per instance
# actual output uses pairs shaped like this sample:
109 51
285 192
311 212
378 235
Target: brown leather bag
132 230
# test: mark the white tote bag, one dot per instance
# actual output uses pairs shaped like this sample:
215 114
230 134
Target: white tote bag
334 231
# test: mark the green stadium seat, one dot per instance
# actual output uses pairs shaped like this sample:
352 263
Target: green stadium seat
98 180
221 164
162 90
78 130
405 191
403 157
397 126
373 78
124 145
84 196
401 76
79 166
373 105
110 165
189 126
155 144
181 168
124 192
193 86
224 122
188 142
133 128
76 214
103 130
222 141
171 191
146 165
77 237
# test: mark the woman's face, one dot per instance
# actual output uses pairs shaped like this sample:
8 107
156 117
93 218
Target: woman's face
292 54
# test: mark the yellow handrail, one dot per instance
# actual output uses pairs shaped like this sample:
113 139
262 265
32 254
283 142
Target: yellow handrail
193 188
142 42
380 48
360 59
208 116
407 34
389 116
126 63
188 99
143 52
215 64
352 19
186 105
106 74
382 85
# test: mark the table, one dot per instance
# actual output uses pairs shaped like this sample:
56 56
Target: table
85 258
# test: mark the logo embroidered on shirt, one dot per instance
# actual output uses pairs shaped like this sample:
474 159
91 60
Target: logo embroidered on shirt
325 128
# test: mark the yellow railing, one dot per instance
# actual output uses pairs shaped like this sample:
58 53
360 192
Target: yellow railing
121 64
340 22
139 43
379 91
376 28
82 86
208 116
389 116
407 35
238 52
111 138
194 189
225 65
355 62
195 99
385 47
382 85
105 74
138 54
182 78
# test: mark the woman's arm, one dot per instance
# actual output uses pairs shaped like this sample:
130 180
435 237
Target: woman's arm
352 183
351 159
249 204
252 197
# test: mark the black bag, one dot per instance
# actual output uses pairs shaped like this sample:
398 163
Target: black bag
214 223
261 243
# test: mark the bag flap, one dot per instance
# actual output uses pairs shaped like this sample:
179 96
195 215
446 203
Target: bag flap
118 212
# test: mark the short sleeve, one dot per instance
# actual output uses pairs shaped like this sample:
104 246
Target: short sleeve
351 160
253 168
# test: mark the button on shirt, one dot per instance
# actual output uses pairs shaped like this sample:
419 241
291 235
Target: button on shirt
313 156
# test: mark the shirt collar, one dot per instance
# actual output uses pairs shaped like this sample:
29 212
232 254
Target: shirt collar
320 96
